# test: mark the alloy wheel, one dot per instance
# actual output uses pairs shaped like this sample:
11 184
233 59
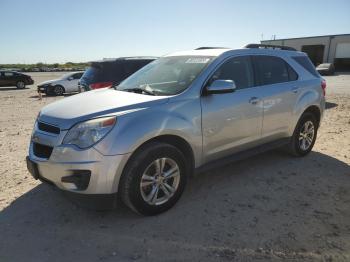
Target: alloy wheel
306 135
160 181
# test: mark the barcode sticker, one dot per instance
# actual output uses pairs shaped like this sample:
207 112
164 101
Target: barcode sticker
197 60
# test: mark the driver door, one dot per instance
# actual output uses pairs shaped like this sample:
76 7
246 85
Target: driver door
232 121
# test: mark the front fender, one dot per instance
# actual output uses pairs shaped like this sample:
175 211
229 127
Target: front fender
182 119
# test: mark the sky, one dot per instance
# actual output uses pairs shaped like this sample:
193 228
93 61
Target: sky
84 30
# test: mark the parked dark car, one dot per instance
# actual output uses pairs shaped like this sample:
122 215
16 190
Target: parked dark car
325 69
11 78
109 72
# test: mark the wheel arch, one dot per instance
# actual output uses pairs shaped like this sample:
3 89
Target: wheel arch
64 89
315 110
174 140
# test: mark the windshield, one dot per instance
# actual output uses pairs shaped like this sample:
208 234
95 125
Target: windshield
167 75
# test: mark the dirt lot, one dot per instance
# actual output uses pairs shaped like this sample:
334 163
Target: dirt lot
269 207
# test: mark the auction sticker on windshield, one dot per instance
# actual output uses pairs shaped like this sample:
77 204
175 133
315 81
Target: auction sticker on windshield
197 60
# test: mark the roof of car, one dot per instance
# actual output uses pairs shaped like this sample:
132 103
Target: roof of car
125 58
212 51
10 71
201 52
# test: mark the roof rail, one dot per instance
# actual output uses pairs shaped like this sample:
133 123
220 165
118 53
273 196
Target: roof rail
270 46
210 47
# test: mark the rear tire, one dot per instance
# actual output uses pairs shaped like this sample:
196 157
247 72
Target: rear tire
58 90
20 85
304 136
154 178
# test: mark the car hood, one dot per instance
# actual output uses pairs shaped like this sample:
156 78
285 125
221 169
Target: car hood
49 82
102 102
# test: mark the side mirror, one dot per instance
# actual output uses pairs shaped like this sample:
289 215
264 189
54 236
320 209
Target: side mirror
221 87
70 78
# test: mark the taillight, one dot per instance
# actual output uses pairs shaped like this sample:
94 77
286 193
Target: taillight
324 85
100 85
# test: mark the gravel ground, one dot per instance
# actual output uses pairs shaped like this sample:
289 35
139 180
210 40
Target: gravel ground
269 207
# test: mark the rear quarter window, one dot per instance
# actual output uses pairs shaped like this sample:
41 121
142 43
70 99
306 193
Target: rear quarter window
292 74
305 62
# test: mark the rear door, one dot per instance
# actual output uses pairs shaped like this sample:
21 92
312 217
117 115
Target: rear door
8 79
231 121
279 91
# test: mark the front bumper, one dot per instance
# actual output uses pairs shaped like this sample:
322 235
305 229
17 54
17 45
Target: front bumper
67 161
42 89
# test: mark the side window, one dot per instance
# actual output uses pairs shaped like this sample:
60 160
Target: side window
305 62
77 75
291 73
238 69
8 74
271 70
129 67
113 72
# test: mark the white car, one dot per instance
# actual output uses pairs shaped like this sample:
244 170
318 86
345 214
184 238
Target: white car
68 83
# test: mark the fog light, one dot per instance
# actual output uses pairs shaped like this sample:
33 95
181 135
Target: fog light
80 178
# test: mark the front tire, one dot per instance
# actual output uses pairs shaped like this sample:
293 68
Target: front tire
154 179
304 136
58 90
20 85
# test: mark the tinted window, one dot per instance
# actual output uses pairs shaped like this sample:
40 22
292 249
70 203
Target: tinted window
291 73
91 73
130 67
305 62
238 69
271 70
8 74
77 75
112 72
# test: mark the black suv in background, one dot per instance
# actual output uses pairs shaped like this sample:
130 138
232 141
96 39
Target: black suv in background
109 72
11 78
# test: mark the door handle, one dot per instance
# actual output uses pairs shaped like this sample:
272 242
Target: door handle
295 89
254 100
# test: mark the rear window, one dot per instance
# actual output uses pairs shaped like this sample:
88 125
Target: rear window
91 73
113 71
305 62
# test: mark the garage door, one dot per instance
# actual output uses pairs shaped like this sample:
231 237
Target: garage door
343 50
342 57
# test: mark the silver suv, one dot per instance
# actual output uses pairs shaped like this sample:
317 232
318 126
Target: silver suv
182 113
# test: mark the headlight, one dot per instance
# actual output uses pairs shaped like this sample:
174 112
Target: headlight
88 133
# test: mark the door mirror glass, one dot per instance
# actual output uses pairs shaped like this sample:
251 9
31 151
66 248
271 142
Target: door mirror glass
221 87
70 78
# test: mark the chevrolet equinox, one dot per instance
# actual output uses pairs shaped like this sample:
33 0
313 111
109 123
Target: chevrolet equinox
140 140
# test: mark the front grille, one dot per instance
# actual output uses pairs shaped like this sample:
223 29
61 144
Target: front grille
48 128
42 151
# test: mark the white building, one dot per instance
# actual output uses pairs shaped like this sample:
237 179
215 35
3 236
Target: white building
321 49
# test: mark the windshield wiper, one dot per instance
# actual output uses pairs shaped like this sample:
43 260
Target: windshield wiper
138 90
